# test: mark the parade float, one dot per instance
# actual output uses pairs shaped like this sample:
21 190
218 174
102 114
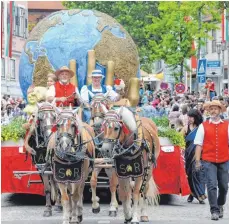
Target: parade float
83 40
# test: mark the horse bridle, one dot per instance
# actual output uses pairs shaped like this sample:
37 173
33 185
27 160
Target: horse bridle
118 146
41 110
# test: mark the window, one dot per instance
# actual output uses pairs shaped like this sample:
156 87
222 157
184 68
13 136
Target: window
12 69
3 75
225 73
20 22
158 65
214 41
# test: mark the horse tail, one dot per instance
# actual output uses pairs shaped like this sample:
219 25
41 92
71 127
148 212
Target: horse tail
53 190
152 193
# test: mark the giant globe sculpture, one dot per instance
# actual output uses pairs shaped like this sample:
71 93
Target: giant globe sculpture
70 34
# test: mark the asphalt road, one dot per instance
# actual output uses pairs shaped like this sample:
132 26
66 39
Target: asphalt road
28 209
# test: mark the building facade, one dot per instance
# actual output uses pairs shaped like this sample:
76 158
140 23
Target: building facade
214 50
38 11
10 66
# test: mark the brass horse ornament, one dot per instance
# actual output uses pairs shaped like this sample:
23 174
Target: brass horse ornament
134 146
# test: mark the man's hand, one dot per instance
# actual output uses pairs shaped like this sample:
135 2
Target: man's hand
30 150
63 99
198 165
26 126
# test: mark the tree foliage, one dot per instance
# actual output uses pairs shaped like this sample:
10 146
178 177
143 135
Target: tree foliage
172 32
161 30
133 16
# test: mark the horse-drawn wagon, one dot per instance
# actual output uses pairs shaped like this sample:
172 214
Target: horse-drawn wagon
64 150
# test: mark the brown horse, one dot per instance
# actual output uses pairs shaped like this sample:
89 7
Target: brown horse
134 145
36 142
99 107
73 146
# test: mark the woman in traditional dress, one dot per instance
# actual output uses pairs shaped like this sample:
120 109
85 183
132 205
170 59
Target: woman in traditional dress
195 179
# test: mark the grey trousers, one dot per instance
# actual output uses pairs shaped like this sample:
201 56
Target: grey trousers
216 176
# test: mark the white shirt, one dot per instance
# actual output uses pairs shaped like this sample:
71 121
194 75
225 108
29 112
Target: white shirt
113 96
199 139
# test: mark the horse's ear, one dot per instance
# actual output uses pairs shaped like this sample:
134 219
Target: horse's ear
105 109
53 102
76 110
58 110
119 110
106 94
70 106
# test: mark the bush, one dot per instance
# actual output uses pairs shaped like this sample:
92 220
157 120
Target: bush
175 137
14 130
161 121
164 131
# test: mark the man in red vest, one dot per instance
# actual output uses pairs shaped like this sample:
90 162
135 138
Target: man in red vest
65 93
212 153
210 86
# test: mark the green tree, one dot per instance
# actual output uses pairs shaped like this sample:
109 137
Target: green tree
172 32
133 16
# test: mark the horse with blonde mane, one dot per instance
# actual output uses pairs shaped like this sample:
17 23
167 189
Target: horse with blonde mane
99 107
73 147
134 146
36 142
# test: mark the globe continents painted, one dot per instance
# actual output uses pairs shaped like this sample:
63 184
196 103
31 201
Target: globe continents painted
69 34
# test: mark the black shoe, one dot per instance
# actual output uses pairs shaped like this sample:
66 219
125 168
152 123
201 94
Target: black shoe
215 216
190 198
221 211
202 202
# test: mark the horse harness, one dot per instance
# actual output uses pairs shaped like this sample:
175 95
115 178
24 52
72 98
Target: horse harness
135 149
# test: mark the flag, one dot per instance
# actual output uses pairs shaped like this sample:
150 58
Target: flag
1 28
225 28
11 28
8 28
193 58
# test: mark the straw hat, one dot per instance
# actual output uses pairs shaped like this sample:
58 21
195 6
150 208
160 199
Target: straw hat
214 103
64 68
97 73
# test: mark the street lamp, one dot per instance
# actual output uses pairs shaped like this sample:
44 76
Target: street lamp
218 50
223 48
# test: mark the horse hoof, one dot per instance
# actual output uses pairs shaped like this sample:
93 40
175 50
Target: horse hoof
96 210
65 222
144 219
58 208
80 218
127 221
47 213
112 213
74 222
